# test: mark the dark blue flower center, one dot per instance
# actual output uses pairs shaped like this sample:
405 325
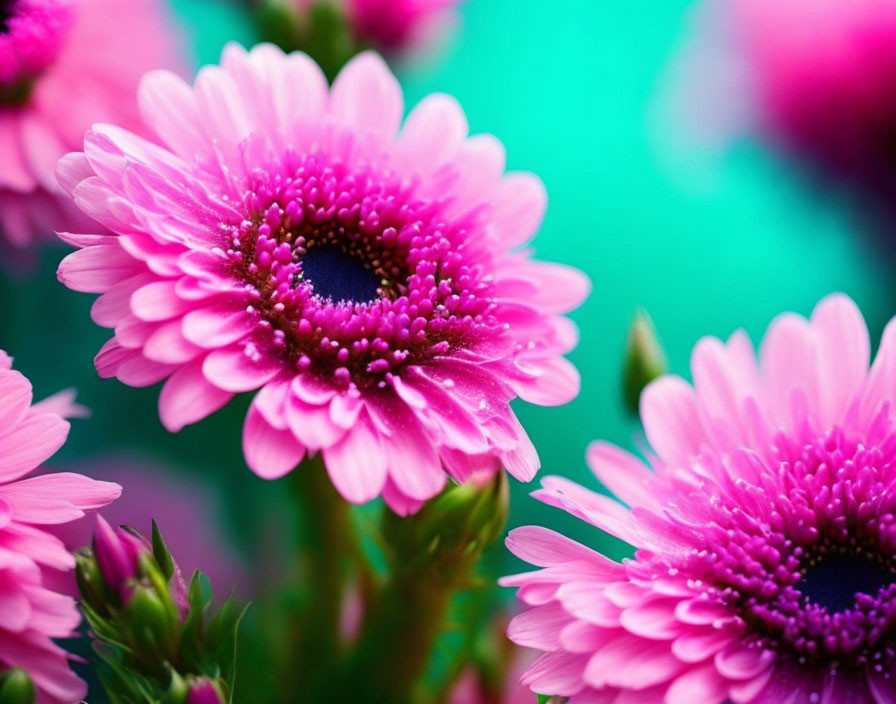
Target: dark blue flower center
338 276
835 579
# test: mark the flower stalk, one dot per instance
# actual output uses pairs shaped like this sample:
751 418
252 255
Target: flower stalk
433 557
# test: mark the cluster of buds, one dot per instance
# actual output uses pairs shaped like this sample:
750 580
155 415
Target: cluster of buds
158 639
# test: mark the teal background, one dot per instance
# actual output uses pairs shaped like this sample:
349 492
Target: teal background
570 88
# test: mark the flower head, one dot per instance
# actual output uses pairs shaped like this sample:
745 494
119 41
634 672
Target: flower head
290 239
31 614
65 64
765 567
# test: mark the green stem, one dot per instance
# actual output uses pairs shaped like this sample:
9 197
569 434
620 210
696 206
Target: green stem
399 633
327 555
432 557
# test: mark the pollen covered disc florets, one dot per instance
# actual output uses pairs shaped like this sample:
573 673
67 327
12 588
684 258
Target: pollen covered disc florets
363 276
352 277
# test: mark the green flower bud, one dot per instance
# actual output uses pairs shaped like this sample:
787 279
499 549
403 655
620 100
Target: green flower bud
152 624
16 687
90 581
460 522
644 359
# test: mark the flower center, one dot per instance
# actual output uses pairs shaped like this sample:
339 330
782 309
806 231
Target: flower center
812 571
351 276
334 274
32 34
834 581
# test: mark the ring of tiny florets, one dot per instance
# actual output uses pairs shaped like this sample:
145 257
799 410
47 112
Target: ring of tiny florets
432 295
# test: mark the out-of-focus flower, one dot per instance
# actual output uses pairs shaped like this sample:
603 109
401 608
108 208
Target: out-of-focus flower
64 65
31 615
204 692
766 542
500 685
392 26
814 76
366 280
332 31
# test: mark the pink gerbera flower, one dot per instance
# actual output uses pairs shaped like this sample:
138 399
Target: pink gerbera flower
65 64
765 569
366 280
31 615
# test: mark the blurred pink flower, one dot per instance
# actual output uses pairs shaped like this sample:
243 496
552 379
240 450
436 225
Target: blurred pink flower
765 568
367 281
31 615
204 692
399 25
392 26
471 688
64 65
815 76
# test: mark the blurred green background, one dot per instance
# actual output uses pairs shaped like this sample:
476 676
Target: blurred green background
570 88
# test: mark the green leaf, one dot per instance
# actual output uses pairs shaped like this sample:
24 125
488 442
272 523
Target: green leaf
161 553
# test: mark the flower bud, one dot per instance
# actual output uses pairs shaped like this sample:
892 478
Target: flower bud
117 555
90 581
16 687
461 522
152 622
204 691
644 359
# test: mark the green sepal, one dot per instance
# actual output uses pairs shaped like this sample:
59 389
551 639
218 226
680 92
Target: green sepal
161 553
